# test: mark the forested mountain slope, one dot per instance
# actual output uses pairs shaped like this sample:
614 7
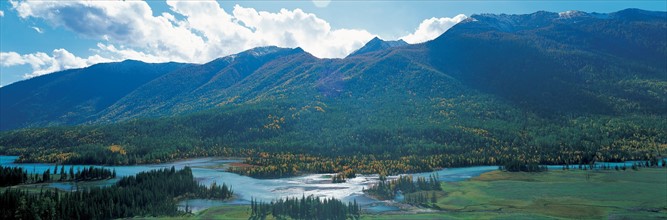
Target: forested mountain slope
570 62
546 87
74 96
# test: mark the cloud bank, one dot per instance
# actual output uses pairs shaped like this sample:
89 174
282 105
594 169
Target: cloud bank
192 31
431 28
42 63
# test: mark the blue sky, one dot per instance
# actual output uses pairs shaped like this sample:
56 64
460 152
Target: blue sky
38 38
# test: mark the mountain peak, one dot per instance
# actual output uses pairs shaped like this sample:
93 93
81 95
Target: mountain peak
131 61
571 14
546 58
513 22
261 51
375 39
377 44
632 14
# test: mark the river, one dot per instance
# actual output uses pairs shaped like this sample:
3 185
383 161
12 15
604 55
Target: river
208 170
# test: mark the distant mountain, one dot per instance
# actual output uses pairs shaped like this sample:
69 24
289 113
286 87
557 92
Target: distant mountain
570 87
74 96
377 44
549 64
571 62
197 87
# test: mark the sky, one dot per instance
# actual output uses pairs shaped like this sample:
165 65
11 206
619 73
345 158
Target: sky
42 37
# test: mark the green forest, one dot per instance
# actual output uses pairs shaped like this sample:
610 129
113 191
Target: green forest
10 176
309 207
281 140
387 190
151 193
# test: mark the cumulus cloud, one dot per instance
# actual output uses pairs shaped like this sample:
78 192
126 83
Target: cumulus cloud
127 23
2 13
191 31
431 28
207 31
42 63
298 28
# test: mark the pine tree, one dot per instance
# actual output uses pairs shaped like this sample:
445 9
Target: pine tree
46 176
63 175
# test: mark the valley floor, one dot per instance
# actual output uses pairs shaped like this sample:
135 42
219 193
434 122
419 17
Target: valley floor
555 194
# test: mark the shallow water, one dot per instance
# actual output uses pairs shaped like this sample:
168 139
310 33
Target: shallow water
245 188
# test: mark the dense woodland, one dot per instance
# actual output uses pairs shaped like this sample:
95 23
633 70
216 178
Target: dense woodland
405 184
522 166
152 193
289 150
309 207
10 176
87 174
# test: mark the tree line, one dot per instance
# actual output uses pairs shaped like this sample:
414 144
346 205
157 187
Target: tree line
151 193
306 207
522 166
387 190
10 176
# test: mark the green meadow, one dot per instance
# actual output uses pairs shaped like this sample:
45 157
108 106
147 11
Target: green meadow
553 195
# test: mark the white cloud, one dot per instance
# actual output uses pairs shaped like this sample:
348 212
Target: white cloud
206 32
431 28
202 31
10 59
2 13
37 29
321 3
42 63
128 23
300 29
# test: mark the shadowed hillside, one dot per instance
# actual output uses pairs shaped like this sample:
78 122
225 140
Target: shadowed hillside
546 87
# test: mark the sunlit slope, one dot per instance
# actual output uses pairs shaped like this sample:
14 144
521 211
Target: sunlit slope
557 88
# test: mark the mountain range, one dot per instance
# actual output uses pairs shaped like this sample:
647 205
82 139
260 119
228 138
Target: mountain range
547 62
490 75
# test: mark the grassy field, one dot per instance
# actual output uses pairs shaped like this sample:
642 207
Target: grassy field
550 195
553 195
